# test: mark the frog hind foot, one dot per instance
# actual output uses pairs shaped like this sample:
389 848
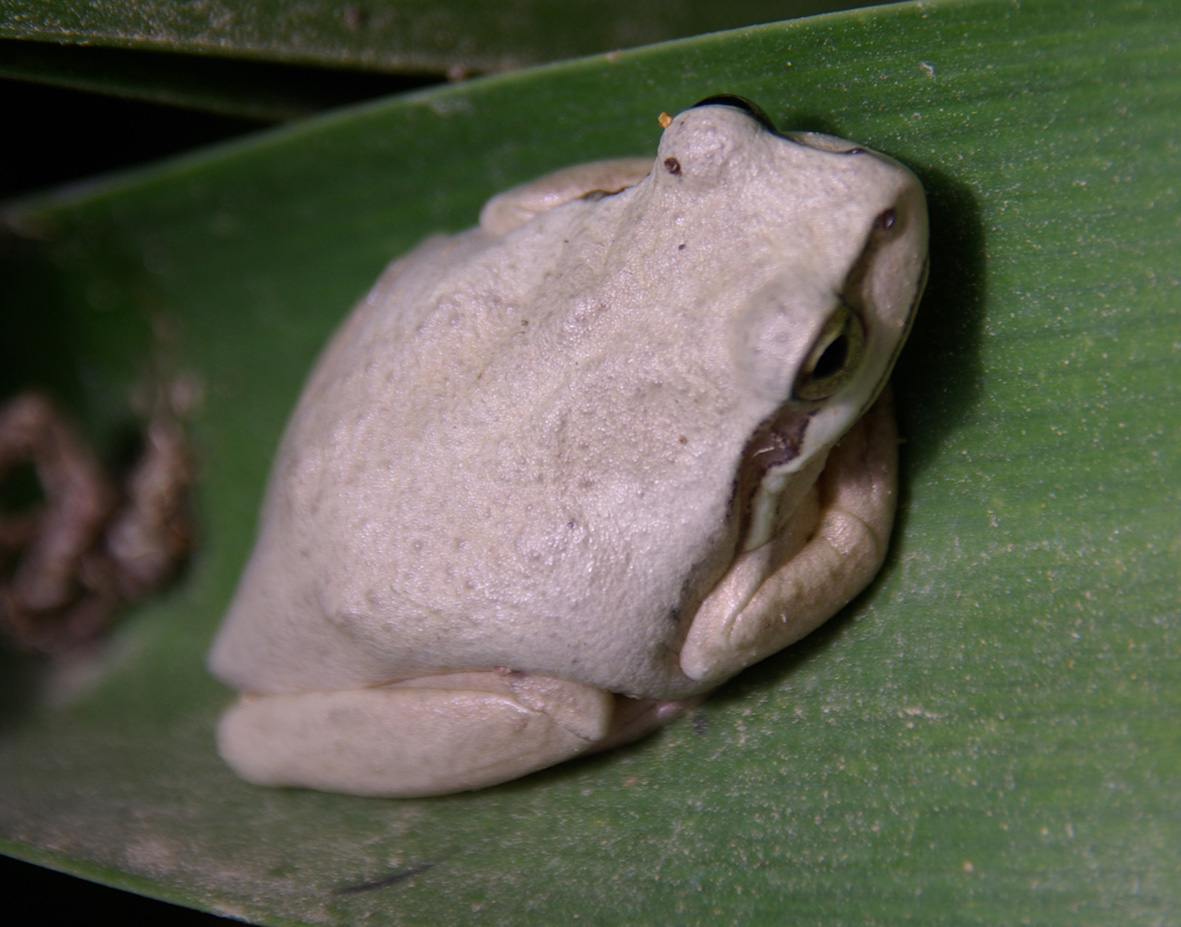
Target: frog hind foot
428 736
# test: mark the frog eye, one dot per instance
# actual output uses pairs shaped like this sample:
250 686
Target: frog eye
835 354
751 108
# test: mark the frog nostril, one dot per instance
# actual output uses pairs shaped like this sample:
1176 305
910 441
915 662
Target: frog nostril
673 166
885 220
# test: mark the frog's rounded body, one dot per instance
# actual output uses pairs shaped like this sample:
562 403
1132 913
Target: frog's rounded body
529 477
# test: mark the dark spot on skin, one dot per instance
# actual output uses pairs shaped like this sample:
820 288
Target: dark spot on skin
885 220
570 525
673 166
400 875
681 247
674 616
682 440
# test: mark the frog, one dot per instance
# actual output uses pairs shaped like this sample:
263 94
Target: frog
559 476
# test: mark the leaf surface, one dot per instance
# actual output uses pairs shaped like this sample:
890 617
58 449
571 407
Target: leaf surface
987 735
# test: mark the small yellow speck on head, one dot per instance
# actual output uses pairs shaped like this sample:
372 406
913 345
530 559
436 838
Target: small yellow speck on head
665 120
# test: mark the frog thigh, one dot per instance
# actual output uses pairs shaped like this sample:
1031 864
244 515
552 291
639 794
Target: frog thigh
516 206
856 509
420 737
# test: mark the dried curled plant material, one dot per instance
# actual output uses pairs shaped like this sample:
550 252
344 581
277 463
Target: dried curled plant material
90 546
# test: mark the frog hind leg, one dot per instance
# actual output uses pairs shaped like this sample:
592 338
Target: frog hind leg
518 205
427 736
754 615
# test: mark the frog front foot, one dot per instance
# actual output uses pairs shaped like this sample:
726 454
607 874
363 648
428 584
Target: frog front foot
781 592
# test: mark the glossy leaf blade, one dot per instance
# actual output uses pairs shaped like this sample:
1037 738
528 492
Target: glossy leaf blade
987 735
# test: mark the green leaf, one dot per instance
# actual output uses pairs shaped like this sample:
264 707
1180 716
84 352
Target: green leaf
988 735
236 87
275 60
440 37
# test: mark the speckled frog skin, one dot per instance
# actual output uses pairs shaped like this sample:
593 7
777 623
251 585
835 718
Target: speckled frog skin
561 474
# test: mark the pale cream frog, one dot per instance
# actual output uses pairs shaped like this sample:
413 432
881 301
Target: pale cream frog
561 474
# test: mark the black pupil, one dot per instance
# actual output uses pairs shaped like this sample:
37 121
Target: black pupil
833 358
